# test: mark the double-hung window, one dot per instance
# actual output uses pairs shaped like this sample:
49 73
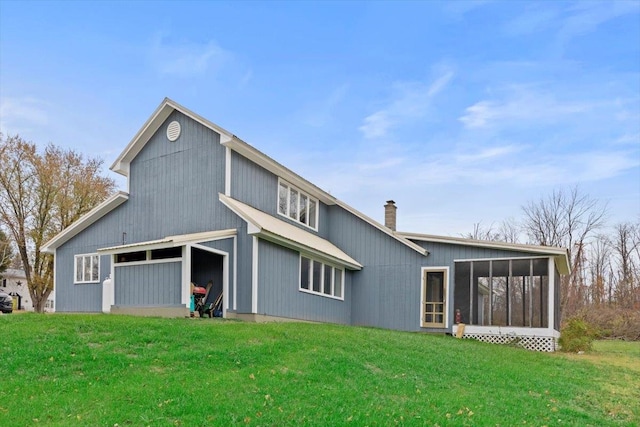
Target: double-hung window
319 278
87 268
297 205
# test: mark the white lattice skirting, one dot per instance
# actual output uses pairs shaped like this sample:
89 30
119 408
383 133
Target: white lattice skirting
528 342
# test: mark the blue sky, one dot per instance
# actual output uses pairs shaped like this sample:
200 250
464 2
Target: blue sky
459 111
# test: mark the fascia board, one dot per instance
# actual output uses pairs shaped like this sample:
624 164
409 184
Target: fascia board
261 159
560 254
164 110
85 221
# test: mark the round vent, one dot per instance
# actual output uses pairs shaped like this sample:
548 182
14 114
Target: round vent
173 131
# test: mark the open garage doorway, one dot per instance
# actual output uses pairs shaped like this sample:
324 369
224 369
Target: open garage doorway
208 271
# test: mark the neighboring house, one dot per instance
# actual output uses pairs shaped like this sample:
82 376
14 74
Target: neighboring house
14 282
202 205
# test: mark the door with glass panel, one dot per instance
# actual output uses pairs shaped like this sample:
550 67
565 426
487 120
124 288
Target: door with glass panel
434 284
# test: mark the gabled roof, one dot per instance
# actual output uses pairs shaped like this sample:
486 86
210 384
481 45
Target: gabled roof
276 230
164 110
560 254
85 221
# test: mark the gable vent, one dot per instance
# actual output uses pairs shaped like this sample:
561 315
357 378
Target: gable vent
173 131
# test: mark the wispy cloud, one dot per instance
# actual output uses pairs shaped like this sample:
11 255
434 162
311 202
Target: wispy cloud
522 104
19 115
187 58
584 17
410 101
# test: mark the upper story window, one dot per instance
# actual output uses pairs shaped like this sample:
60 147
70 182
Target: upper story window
297 205
87 268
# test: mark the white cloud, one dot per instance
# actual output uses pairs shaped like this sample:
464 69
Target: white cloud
411 101
186 59
19 115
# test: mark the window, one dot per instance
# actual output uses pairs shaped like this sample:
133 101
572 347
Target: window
87 268
4 283
321 279
296 205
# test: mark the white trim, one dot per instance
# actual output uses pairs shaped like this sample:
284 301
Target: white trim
75 268
227 171
551 278
148 262
254 275
445 287
85 221
112 274
55 262
235 273
503 259
186 276
560 254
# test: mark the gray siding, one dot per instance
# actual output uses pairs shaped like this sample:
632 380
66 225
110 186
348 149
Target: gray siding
256 186
174 190
386 292
279 294
148 285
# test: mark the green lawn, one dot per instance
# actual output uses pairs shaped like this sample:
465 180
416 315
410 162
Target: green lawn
107 370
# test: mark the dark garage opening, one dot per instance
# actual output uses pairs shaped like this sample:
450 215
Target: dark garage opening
208 267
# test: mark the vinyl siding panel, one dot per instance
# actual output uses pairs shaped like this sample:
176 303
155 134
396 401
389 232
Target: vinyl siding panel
147 285
279 294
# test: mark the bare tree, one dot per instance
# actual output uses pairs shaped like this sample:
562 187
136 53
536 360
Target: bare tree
6 252
40 195
600 274
566 219
508 231
625 244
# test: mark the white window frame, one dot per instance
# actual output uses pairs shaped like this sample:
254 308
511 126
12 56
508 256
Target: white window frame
81 258
300 193
334 270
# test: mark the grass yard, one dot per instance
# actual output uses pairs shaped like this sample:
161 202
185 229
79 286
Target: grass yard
107 370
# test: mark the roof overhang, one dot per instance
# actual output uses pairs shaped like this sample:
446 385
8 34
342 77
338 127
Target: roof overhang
164 110
560 254
85 221
284 234
169 242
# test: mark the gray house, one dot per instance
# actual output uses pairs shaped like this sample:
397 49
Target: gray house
203 206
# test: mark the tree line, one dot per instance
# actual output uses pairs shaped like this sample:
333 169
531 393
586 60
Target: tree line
604 259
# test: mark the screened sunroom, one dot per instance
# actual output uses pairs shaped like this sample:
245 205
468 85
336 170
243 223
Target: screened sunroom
514 300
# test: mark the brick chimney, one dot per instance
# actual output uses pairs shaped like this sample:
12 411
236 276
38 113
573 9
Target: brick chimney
390 215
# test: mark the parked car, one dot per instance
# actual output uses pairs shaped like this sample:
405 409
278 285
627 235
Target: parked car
6 303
